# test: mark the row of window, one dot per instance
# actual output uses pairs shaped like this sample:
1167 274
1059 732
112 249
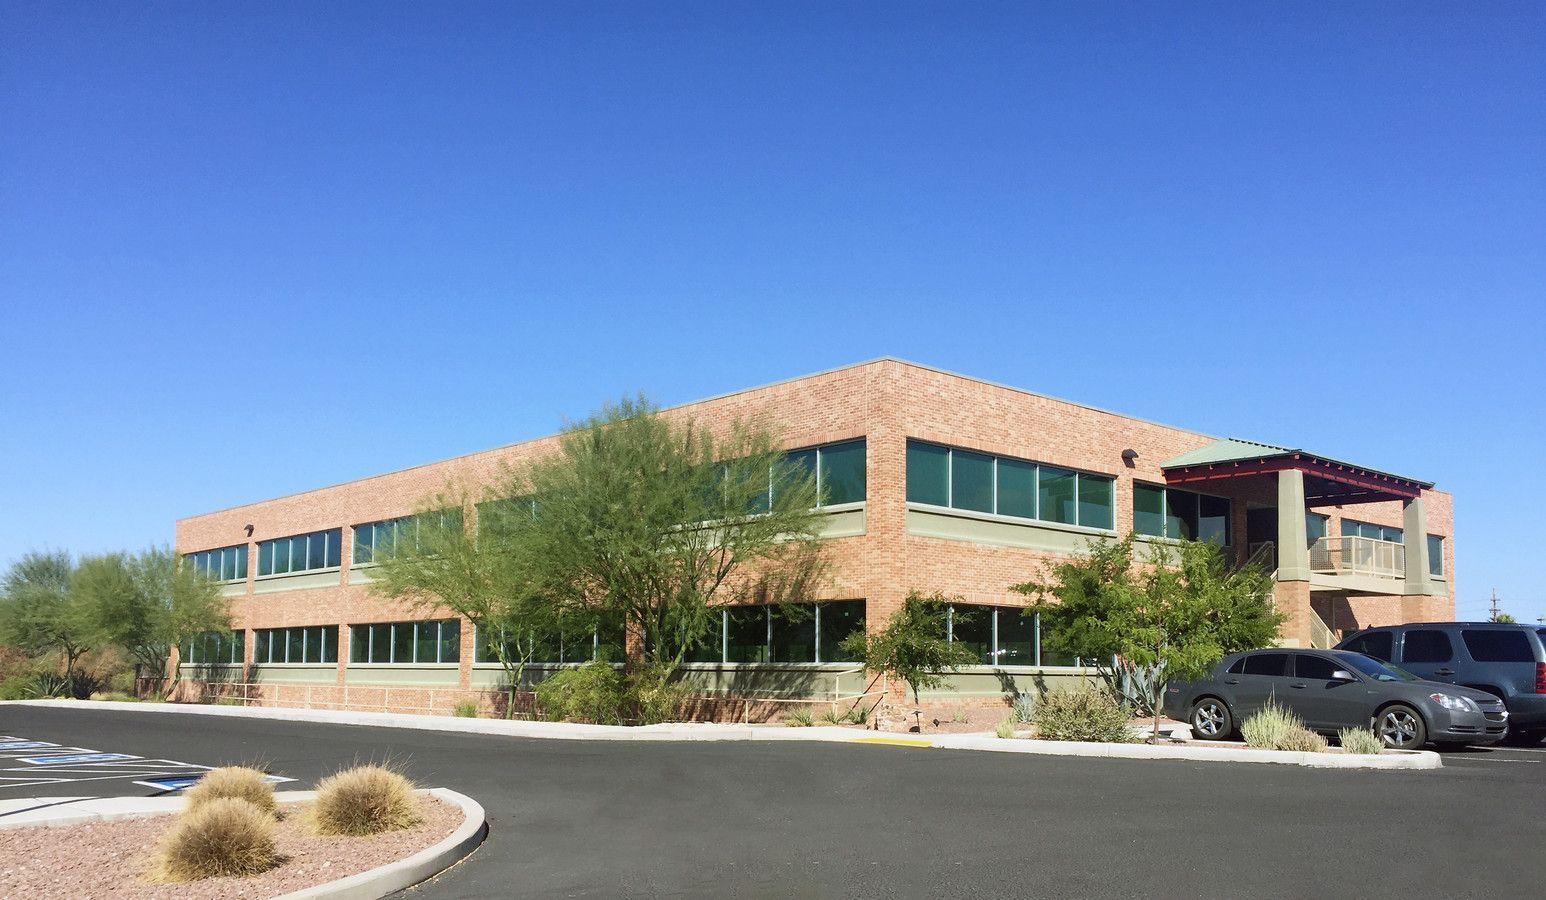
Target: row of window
386 534
1353 528
214 648
1180 515
1002 636
435 641
794 633
1427 645
301 553
316 644
223 564
966 479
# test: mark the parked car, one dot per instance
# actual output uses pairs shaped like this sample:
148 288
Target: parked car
1508 661
1335 689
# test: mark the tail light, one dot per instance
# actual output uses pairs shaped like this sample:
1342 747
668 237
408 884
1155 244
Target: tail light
1540 678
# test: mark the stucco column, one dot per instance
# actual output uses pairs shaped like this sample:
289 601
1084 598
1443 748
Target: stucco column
1293 554
1414 536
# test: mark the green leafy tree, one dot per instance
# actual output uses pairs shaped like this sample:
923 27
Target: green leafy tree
913 646
434 562
148 603
1145 623
1504 618
40 613
650 519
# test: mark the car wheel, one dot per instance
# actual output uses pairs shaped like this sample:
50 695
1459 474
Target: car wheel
1523 738
1400 727
1211 720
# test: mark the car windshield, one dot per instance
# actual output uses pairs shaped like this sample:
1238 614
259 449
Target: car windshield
1377 670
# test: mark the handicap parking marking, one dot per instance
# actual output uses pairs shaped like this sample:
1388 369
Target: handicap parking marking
13 744
183 782
76 758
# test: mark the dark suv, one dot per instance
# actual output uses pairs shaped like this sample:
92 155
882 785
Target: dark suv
1506 660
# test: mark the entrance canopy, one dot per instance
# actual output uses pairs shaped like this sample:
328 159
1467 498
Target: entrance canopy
1327 482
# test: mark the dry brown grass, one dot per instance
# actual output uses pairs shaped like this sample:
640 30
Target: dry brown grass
222 836
238 782
365 800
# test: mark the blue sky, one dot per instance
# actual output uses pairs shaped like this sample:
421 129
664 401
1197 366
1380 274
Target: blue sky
249 249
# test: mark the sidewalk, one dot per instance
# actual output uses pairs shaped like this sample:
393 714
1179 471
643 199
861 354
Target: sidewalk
1195 751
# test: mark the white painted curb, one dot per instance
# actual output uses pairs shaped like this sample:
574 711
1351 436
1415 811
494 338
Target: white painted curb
1391 759
421 866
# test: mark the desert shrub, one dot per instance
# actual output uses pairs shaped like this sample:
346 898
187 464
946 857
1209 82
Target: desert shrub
859 715
226 836
238 782
960 715
48 686
1267 727
17 687
1360 740
122 683
1302 740
365 800
467 709
589 693
116 696
831 716
799 717
1083 714
1005 728
652 696
1024 709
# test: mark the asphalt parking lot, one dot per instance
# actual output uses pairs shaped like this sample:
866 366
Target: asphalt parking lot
618 819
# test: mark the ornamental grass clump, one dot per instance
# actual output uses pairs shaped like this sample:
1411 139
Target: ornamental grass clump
1302 740
1360 740
1082 714
799 717
238 782
1267 727
223 836
1005 728
365 800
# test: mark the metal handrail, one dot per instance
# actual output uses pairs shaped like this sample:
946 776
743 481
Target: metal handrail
1353 555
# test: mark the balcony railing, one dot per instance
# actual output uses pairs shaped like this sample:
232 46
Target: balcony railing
1349 555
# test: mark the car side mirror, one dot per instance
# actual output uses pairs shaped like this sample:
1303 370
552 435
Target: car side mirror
1343 675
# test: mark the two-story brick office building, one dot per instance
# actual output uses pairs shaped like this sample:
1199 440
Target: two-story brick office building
935 482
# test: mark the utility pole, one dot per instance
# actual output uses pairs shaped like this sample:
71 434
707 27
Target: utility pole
1494 604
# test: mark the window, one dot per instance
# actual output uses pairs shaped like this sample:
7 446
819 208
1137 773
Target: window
966 479
1313 668
214 648
973 626
1314 527
568 647
1426 646
1265 664
1435 556
435 641
1378 644
1498 645
224 564
839 470
791 633
1016 644
1181 515
301 553
316 644
1351 528
382 536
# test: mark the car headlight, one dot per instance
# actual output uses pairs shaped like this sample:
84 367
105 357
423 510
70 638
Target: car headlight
1464 704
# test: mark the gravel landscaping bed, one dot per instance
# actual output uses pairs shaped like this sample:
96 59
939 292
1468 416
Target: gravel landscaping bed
110 859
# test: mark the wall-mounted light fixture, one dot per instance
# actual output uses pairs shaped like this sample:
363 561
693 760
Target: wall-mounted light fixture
249 531
1128 456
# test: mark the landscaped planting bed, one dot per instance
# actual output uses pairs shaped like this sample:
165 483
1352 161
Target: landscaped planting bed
115 858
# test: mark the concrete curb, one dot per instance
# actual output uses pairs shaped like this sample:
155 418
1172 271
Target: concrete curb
377 882
1411 759
1390 759
421 866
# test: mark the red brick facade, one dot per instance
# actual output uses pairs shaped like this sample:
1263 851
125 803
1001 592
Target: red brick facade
886 402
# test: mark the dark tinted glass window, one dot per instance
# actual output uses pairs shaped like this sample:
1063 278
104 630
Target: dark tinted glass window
1238 667
839 620
748 635
973 626
1095 501
1016 488
928 474
1148 510
1265 663
1377 644
793 633
1056 497
712 650
1313 668
971 481
842 472
1424 646
1016 638
1497 645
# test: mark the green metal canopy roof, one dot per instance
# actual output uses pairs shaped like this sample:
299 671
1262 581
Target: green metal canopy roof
1232 451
